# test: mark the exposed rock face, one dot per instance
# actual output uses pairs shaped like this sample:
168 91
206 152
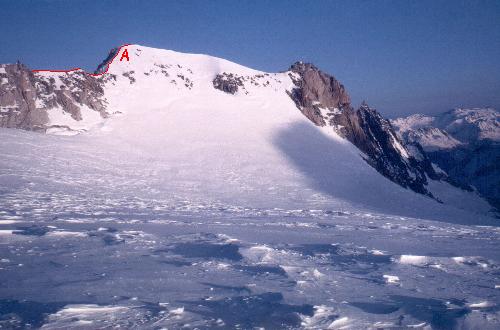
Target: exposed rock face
374 135
27 99
104 65
316 92
463 142
227 82
323 100
18 107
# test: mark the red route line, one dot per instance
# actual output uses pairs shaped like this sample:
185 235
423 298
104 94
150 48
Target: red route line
90 74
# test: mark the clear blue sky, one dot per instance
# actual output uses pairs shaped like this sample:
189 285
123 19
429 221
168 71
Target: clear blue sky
401 56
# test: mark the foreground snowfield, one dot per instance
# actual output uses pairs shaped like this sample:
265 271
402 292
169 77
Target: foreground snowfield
199 209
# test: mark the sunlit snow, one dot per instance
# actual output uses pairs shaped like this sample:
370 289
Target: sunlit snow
199 209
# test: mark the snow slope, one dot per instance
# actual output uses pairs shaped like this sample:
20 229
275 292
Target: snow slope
250 149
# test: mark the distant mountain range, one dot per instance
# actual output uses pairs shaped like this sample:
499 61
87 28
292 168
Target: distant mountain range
462 143
465 143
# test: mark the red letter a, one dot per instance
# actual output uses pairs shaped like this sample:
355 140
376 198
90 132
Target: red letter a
124 55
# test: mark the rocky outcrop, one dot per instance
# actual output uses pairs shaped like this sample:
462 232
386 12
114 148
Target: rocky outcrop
227 82
374 135
101 68
316 92
323 100
27 98
18 108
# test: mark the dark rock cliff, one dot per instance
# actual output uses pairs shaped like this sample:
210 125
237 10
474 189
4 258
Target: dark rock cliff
476 164
316 90
323 100
18 107
101 68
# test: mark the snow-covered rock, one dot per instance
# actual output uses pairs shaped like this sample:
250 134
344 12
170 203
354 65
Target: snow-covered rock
50 101
471 125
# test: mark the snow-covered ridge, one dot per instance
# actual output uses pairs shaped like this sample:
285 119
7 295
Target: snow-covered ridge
432 138
414 121
72 101
155 99
160 75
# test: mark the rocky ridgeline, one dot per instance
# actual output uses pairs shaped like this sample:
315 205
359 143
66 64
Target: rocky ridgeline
323 100
317 92
26 96
232 83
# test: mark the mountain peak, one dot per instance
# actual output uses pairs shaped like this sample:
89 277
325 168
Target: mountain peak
301 67
137 80
103 67
317 93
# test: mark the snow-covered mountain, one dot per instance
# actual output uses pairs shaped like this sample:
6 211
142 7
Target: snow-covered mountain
185 191
463 142
452 128
225 118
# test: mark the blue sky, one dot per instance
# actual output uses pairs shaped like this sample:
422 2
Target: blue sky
399 56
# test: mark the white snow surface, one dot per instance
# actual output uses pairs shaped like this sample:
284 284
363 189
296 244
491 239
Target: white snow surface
68 125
